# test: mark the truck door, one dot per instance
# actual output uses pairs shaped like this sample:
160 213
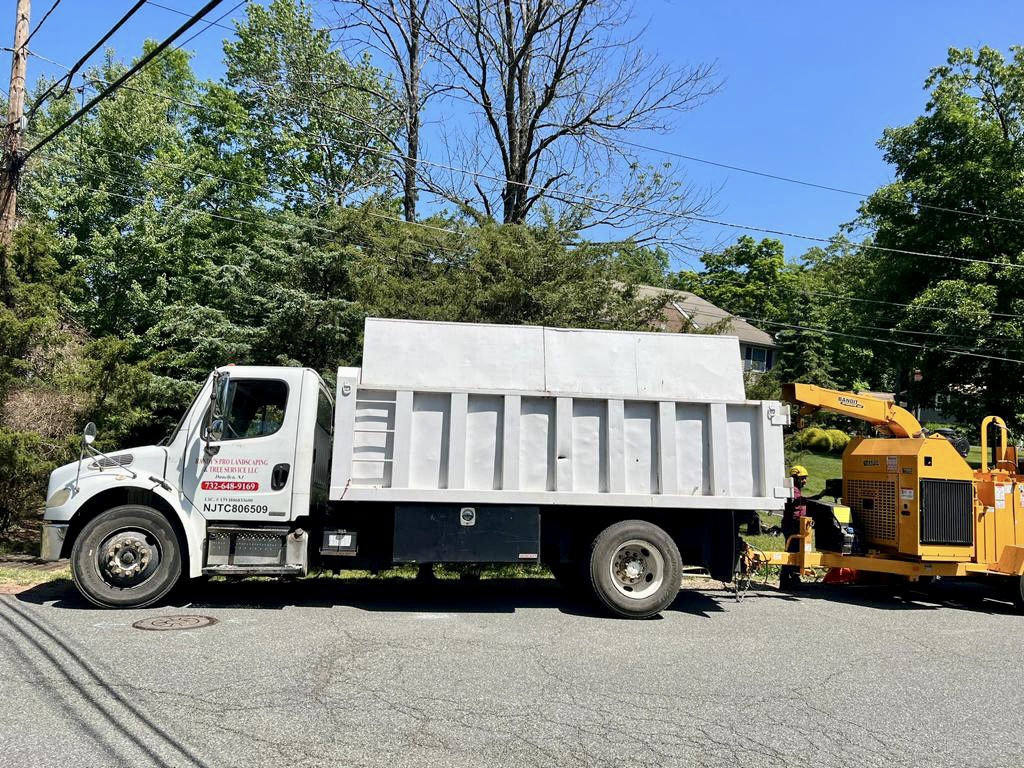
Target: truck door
241 455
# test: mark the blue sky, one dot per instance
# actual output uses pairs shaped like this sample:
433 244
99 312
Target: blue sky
808 87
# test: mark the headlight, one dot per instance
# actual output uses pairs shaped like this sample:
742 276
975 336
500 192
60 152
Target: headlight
59 499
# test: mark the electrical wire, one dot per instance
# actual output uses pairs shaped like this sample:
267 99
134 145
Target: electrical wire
112 88
731 167
81 61
813 185
41 22
647 209
638 145
213 23
259 187
926 348
893 303
396 156
185 13
590 199
973 339
300 223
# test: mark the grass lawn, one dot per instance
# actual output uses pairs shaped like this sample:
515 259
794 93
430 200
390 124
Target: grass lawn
820 467
17 578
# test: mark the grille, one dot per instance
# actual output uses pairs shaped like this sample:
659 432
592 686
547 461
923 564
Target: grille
874 504
947 512
106 462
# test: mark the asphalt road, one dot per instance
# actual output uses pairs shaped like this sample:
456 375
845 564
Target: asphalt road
516 674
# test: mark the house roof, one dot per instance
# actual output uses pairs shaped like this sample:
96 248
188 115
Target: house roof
683 308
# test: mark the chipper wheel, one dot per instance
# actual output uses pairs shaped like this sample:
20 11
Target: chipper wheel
635 569
1015 586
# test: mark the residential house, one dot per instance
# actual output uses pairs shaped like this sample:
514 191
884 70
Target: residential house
684 310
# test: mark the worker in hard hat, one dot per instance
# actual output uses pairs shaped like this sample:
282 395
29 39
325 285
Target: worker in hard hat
796 508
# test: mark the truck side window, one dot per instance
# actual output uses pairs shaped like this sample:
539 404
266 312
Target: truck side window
325 413
255 408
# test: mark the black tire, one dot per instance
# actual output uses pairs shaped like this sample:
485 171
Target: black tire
635 569
1016 589
152 541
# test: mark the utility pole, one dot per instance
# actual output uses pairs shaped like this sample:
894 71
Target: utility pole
11 162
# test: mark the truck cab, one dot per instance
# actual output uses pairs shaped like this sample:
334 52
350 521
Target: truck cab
227 492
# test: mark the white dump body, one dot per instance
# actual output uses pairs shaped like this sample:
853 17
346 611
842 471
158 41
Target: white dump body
489 414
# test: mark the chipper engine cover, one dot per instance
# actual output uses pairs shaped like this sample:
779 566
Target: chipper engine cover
833 527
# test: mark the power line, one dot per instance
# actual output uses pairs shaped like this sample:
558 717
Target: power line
646 209
88 54
643 208
893 303
974 340
671 153
117 83
677 214
119 178
590 199
213 23
924 347
813 185
185 13
41 22
741 169
350 237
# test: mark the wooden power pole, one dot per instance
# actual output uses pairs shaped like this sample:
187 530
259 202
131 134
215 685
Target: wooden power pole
11 161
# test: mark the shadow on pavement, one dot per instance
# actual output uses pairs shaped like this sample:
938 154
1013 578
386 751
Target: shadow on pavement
508 595
957 594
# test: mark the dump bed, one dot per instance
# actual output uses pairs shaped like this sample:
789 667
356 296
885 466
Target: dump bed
491 414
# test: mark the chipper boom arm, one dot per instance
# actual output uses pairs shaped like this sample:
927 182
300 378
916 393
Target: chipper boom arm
883 414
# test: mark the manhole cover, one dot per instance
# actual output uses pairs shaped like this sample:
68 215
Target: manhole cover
164 623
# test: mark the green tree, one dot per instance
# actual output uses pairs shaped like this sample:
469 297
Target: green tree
749 279
317 126
496 273
957 193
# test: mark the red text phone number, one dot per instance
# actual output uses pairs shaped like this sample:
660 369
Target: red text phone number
229 485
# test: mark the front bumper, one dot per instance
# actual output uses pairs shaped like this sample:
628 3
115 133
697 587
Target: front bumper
52 540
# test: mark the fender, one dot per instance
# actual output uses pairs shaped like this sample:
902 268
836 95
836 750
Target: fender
94 497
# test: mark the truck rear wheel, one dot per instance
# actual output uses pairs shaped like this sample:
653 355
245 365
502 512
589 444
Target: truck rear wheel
635 569
126 557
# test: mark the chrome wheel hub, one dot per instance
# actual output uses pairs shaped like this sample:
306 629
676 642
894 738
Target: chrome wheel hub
637 569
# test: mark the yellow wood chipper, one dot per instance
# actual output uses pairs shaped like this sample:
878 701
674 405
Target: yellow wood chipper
911 504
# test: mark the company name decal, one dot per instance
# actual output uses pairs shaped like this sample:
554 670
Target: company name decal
850 401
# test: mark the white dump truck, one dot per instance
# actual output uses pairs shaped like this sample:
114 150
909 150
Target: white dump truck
612 457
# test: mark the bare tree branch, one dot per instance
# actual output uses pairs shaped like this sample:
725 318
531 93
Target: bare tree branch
399 30
553 84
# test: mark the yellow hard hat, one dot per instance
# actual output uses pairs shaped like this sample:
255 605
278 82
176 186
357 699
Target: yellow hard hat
798 471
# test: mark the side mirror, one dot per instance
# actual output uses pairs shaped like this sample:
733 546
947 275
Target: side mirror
213 430
89 433
219 396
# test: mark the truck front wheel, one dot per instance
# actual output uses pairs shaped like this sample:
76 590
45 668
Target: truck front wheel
635 569
126 557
